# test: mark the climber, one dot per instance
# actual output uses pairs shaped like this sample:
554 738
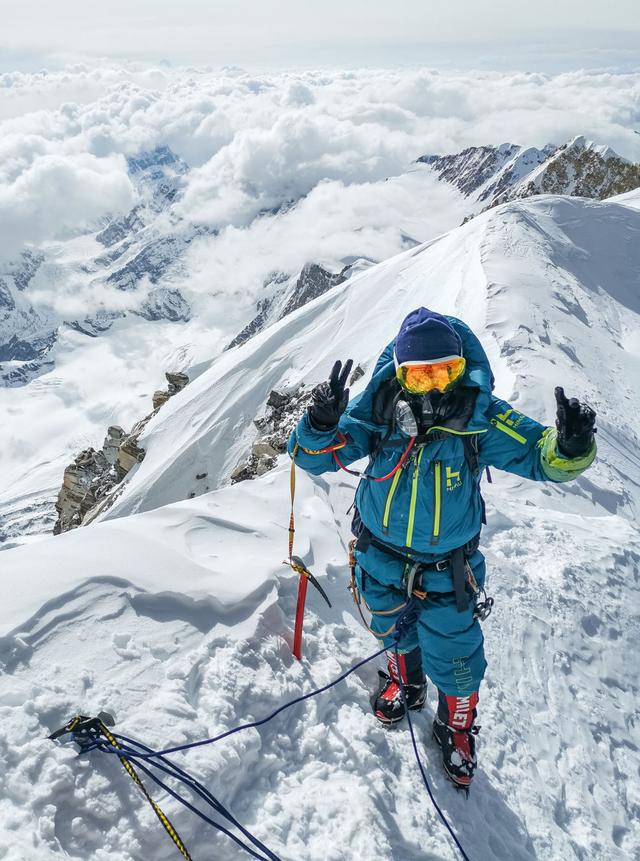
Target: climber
429 407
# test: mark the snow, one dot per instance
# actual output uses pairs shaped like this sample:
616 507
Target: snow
179 619
630 198
110 379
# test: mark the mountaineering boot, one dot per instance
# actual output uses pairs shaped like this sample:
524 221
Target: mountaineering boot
454 730
387 702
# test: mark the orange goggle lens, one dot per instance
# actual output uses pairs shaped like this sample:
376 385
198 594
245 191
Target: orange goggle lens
438 376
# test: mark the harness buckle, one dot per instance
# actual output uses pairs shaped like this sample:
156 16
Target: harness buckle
443 564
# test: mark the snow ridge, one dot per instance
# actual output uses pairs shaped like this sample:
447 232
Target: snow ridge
179 619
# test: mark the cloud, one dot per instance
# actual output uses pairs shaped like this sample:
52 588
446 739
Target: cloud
57 195
339 139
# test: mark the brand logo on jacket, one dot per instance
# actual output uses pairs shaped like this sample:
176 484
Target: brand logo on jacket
453 479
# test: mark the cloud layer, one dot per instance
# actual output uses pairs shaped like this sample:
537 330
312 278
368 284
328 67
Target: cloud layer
256 141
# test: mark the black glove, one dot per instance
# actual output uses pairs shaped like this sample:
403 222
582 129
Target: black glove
575 424
329 400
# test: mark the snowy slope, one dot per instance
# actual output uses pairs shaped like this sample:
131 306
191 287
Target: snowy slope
101 317
179 619
551 283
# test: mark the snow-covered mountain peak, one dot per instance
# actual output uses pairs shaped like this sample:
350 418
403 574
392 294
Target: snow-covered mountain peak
491 175
579 168
580 143
543 282
179 619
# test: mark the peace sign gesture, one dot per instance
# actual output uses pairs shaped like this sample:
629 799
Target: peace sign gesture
330 399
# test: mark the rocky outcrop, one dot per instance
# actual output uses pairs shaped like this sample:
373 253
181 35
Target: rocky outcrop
470 169
282 413
494 175
165 303
313 281
90 483
579 168
285 295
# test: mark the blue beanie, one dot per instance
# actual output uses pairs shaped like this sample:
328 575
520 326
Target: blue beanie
424 336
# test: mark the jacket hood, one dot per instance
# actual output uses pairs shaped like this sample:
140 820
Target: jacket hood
478 374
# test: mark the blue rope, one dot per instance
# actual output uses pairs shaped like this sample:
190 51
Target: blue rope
254 724
268 856
405 621
421 767
198 788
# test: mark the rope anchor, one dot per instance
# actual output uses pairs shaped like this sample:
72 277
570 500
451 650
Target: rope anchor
87 732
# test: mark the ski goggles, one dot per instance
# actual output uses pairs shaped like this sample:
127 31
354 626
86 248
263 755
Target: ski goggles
418 378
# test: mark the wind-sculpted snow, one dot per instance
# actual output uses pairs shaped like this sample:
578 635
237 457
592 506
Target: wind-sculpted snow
180 618
180 622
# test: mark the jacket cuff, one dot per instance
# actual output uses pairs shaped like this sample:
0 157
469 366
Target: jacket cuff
556 466
310 438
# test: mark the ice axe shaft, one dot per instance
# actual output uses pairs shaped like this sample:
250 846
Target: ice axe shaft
305 577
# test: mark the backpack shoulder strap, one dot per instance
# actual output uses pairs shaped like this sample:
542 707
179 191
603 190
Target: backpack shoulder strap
472 453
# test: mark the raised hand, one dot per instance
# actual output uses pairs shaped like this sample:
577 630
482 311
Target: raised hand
330 399
576 425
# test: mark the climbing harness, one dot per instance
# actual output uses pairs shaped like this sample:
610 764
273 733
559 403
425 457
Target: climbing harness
92 734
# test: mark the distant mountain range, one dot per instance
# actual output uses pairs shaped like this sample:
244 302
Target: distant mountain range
491 175
145 247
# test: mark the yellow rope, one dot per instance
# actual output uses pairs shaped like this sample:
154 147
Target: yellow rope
133 774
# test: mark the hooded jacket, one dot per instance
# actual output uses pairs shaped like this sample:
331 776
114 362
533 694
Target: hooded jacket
433 504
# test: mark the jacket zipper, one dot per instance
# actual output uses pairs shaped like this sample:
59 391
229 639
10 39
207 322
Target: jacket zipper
414 498
390 495
437 501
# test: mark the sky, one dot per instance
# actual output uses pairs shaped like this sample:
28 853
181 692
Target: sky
543 36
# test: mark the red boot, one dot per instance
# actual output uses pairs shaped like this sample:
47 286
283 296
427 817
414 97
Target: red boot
454 730
387 702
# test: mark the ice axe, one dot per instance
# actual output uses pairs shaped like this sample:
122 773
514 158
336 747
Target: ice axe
305 576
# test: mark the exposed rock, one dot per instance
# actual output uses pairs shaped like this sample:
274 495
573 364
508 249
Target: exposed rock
22 350
312 282
177 381
129 454
356 374
90 483
85 481
26 268
94 326
581 169
282 413
470 169
152 261
160 397
285 296
19 376
273 285
7 302
495 175
112 442
163 303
